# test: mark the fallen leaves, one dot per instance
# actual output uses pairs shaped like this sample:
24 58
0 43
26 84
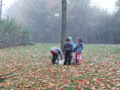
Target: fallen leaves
35 71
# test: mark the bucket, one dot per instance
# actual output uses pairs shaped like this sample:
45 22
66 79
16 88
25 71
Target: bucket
61 62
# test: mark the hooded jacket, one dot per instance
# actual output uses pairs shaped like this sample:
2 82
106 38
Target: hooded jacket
79 47
58 51
67 46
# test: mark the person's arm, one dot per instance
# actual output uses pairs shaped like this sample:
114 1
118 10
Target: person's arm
82 46
72 46
75 47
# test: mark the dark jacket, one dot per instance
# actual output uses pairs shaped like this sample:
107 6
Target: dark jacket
67 46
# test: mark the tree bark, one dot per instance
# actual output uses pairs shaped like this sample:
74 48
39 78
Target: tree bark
63 27
0 9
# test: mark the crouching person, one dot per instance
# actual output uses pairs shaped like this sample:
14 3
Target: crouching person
55 51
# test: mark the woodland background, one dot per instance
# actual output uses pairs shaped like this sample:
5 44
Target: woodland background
42 19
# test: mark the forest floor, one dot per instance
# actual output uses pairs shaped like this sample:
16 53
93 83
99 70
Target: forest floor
30 68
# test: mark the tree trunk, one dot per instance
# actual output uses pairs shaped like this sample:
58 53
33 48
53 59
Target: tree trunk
63 27
0 9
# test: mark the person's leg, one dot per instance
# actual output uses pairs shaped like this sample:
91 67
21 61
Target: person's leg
76 57
54 58
79 58
66 57
69 58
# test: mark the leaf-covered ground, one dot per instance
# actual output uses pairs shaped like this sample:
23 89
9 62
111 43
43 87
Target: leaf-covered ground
30 68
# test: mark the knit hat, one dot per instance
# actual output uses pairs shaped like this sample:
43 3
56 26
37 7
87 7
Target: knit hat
70 38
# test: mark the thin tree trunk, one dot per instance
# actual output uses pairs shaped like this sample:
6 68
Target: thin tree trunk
63 27
0 9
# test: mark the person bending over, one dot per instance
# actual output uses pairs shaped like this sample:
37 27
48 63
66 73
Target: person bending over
55 51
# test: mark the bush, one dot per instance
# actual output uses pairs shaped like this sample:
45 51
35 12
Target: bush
10 27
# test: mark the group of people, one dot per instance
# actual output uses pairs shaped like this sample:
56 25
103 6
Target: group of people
67 50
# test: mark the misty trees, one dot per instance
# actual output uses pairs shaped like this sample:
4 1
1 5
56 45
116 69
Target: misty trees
39 16
10 27
77 20
118 11
111 29
90 23
116 24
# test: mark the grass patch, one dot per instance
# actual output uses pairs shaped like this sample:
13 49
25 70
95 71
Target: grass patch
33 69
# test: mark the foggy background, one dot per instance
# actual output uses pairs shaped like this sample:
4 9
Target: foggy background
42 19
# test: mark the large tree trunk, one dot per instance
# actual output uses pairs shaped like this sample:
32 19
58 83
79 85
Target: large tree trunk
63 27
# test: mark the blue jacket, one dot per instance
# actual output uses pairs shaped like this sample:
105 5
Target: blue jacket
72 45
79 47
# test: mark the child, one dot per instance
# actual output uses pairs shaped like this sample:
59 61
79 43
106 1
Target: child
55 51
71 43
67 49
78 50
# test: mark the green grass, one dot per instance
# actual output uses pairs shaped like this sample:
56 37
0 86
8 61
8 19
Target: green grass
29 67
